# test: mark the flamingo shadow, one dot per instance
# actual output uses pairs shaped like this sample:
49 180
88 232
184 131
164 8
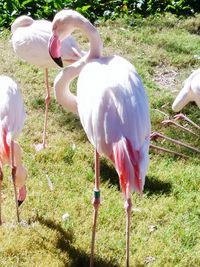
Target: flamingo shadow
108 173
153 186
68 121
78 258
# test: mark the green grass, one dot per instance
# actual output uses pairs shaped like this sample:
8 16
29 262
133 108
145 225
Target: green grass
162 50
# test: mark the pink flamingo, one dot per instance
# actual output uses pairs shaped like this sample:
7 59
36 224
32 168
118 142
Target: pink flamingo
189 92
12 117
112 106
30 42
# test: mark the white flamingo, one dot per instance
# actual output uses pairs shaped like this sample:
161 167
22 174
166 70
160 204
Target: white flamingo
189 92
30 42
12 117
112 106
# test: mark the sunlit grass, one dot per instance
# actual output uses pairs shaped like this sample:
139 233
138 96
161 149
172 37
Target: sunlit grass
170 204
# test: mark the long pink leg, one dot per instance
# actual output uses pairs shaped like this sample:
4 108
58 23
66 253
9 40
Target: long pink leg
47 101
167 122
1 179
128 207
168 151
13 179
156 135
95 203
183 117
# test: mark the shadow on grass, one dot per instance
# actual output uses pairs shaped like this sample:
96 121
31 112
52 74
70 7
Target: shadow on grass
71 122
108 173
78 258
154 186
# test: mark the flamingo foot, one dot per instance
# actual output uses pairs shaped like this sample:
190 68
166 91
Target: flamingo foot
39 147
21 195
183 117
154 136
180 116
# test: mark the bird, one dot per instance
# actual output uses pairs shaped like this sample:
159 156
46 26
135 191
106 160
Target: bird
12 116
30 42
113 109
189 92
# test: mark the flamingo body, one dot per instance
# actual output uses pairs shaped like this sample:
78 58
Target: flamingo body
113 109
12 113
30 42
189 92
12 116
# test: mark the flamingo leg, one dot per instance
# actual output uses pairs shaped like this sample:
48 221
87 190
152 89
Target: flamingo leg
168 151
95 203
156 135
1 179
128 207
183 117
47 101
13 179
167 122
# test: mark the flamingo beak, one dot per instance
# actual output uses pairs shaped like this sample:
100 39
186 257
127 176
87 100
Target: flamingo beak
54 50
22 195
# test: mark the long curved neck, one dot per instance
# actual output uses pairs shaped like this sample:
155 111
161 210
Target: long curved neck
64 78
94 38
62 82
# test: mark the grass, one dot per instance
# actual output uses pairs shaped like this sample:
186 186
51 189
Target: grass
165 221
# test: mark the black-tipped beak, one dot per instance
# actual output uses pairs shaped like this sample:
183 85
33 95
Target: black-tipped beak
58 61
20 202
54 50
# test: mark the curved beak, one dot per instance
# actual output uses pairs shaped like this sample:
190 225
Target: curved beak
54 50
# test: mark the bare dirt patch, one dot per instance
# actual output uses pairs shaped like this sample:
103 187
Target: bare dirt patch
166 78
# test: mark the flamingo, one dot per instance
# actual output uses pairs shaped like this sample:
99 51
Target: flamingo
30 42
12 117
189 92
113 110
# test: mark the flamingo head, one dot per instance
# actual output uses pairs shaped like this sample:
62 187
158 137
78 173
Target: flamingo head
54 50
62 26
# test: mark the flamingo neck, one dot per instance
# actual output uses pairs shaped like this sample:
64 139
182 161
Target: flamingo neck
64 78
62 86
66 21
94 39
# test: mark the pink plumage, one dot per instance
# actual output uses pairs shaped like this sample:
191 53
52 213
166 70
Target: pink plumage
4 147
30 42
12 116
112 106
189 92
126 161
113 109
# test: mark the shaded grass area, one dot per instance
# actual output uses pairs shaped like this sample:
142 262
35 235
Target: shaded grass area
170 204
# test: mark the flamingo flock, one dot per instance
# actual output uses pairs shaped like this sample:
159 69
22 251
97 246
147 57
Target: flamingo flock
111 103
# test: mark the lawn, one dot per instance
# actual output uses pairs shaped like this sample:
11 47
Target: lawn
165 221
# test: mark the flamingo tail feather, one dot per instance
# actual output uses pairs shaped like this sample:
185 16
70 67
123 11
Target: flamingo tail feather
126 160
